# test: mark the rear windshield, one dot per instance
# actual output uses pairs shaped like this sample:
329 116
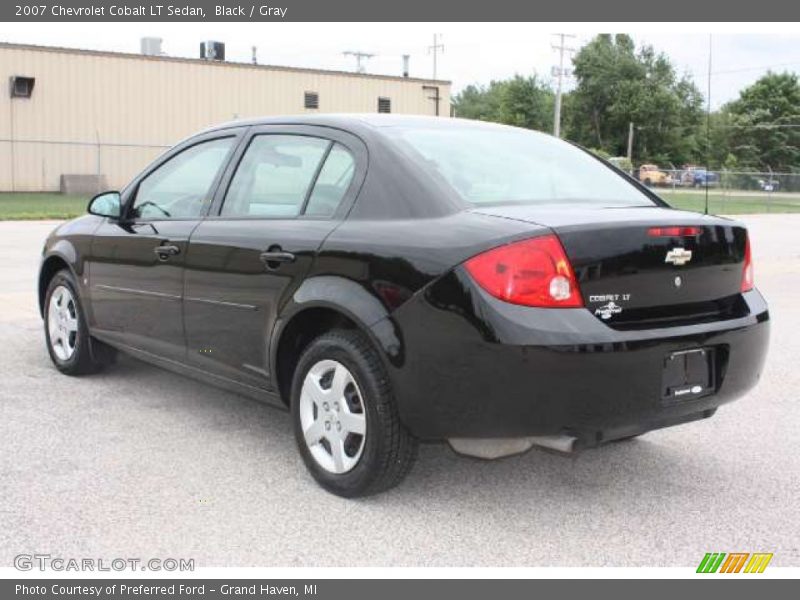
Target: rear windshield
498 165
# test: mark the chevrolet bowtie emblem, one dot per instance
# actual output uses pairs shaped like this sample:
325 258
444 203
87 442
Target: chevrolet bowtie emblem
678 256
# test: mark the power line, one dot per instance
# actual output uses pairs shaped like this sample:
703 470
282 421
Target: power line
762 68
761 126
718 126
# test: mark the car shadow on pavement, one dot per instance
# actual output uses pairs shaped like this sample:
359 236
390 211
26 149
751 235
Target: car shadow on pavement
173 465
640 467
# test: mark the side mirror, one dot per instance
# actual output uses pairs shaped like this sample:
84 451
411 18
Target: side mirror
107 204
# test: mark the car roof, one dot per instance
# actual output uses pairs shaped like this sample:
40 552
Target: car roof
359 121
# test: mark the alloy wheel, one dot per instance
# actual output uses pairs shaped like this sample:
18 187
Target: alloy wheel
62 323
332 416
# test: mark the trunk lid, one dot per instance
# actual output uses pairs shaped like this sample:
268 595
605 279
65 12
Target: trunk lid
630 278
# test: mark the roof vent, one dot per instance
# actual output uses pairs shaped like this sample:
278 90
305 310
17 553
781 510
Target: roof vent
211 50
151 46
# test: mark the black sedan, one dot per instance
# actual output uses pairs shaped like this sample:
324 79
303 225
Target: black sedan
396 279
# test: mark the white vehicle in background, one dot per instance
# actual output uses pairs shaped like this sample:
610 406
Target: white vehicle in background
769 185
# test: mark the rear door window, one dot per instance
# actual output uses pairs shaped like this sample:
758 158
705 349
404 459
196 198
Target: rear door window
275 176
332 183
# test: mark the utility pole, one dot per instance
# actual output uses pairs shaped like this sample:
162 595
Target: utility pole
437 46
360 68
630 142
560 75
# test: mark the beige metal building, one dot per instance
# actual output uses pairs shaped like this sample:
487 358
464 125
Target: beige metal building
70 111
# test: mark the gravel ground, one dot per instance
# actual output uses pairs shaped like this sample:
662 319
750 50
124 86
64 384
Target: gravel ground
138 462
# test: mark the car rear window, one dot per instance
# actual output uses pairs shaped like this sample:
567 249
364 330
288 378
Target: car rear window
499 165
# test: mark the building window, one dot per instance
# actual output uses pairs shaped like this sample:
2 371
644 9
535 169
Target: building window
384 105
22 87
311 100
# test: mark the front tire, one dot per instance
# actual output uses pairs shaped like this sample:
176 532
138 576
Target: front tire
69 344
345 418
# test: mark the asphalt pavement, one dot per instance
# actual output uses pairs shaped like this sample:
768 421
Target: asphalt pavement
139 462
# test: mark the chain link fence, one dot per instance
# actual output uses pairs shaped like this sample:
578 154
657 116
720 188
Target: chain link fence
37 165
732 192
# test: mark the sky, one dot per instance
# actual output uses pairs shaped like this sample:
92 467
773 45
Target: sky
473 53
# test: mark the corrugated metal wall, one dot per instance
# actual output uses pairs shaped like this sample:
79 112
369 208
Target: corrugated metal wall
96 112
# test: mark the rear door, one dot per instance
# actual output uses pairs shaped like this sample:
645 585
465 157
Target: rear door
136 264
285 191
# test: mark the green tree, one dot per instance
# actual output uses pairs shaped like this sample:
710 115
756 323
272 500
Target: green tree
520 101
527 102
479 102
715 137
761 124
617 85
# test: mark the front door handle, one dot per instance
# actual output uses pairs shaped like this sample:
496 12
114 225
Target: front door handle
273 258
165 251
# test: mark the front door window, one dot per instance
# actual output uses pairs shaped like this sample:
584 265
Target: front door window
180 188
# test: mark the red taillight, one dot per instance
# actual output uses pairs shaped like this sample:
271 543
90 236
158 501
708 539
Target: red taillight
747 271
533 272
674 231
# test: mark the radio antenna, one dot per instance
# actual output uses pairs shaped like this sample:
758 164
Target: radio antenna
708 122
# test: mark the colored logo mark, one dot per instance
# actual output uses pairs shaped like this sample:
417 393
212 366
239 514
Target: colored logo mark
734 562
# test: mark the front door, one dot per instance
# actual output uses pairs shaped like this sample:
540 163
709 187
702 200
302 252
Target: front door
285 192
136 263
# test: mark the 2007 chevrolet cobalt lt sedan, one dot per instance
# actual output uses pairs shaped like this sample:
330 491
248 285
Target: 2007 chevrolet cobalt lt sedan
397 279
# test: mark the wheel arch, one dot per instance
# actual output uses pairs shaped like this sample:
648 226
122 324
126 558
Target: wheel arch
51 265
321 304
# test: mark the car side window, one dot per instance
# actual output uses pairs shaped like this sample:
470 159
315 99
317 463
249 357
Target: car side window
332 183
179 188
274 176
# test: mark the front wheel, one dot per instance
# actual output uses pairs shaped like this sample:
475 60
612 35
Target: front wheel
345 417
71 349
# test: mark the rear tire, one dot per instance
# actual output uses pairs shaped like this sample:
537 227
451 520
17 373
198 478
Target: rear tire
69 344
345 417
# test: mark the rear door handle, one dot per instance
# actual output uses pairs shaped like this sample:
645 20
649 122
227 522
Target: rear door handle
165 251
272 258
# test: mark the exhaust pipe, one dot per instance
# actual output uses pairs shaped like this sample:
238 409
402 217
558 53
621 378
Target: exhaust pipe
566 444
491 449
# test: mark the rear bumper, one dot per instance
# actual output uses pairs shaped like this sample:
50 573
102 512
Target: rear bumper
471 366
